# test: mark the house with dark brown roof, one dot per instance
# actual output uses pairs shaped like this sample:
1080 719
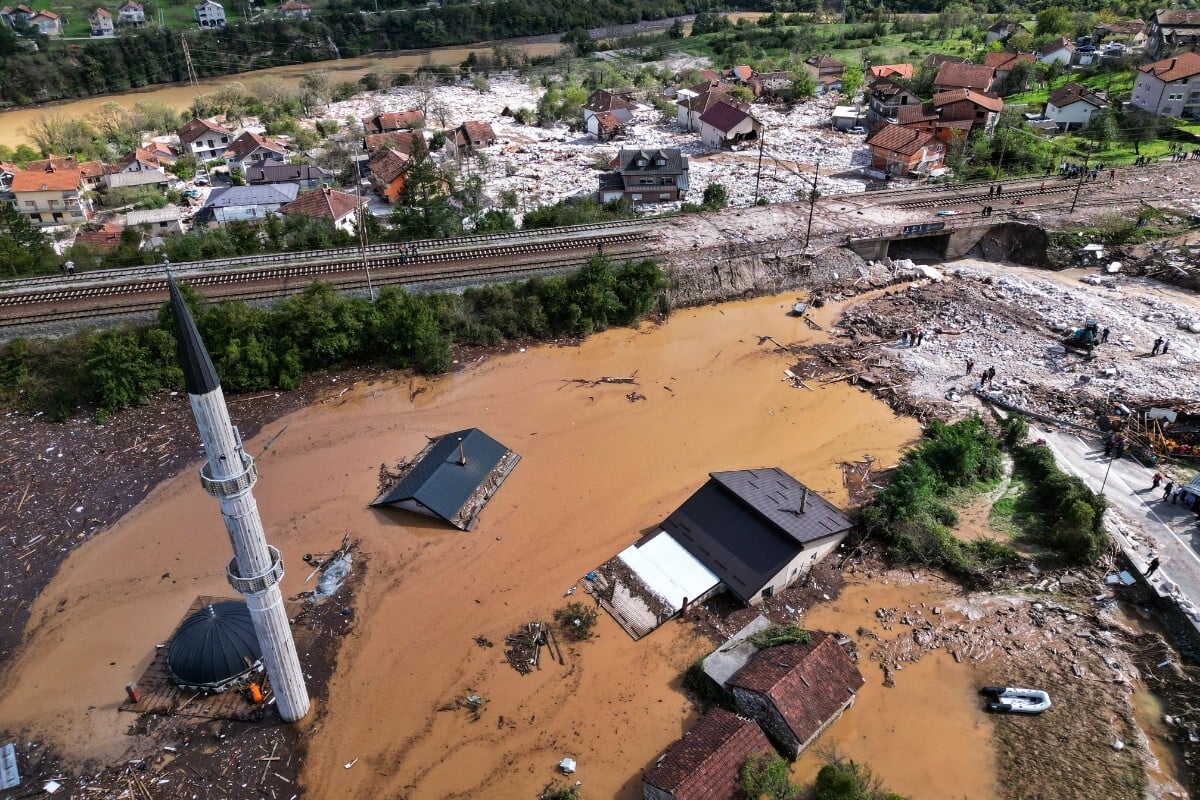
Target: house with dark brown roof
1001 30
249 149
1072 105
982 110
796 691
1170 87
325 203
402 141
936 60
979 77
822 67
205 138
386 170
770 84
899 150
1129 33
471 136
725 125
306 176
1003 63
646 176
394 121
1173 30
886 98
1059 51
691 108
706 762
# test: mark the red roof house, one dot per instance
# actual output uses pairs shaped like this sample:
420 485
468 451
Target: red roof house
979 77
394 121
706 762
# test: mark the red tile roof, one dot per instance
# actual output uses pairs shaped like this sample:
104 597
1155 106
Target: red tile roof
1177 16
248 142
1061 43
742 72
107 237
607 121
394 121
724 117
1184 65
706 762
55 162
964 76
52 180
899 139
102 12
1007 61
918 112
888 70
199 127
604 100
1070 93
387 165
958 95
324 203
403 141
478 131
704 101
808 683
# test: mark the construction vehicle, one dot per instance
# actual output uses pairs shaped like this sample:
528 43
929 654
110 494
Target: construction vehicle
1084 339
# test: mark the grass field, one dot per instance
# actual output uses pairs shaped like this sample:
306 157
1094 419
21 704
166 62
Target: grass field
1118 85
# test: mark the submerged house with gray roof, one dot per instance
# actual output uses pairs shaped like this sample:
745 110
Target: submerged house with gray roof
452 478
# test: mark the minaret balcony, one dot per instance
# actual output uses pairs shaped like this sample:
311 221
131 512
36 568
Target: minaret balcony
252 584
233 485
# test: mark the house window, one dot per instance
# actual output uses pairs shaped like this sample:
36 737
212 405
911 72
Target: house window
664 196
767 592
29 203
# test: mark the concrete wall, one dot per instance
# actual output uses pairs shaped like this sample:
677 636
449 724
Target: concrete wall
799 566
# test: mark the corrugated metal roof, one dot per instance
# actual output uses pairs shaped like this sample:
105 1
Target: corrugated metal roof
262 195
440 481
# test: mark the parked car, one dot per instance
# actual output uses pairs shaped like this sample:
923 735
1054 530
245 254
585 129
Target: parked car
201 180
858 129
193 194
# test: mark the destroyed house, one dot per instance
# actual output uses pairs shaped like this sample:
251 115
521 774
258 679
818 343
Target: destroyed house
796 691
757 530
452 478
706 762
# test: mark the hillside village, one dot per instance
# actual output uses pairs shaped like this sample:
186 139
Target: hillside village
758 134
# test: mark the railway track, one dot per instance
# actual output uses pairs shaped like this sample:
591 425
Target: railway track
98 301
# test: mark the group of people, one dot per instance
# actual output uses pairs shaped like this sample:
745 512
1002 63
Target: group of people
1161 346
913 338
1172 493
1066 169
408 251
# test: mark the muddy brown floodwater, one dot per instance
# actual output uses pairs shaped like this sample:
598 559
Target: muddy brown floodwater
598 469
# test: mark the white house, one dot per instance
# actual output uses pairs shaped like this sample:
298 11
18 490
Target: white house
102 23
692 104
205 139
210 14
47 22
156 221
325 203
1060 51
1170 87
250 149
245 203
724 125
131 13
1071 106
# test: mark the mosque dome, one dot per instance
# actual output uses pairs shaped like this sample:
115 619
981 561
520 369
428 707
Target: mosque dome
215 648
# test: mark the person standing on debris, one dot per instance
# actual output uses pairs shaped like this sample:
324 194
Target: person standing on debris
1112 174
1166 347
1104 336
1152 567
920 337
1175 494
1158 343
904 339
970 366
1156 481
1169 488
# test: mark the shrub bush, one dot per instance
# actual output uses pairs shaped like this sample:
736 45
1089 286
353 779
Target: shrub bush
577 620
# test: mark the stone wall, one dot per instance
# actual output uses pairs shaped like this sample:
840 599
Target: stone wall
756 706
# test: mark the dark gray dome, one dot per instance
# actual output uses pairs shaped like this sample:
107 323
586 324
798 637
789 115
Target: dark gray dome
215 647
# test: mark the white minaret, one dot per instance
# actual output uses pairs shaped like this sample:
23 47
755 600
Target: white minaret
229 476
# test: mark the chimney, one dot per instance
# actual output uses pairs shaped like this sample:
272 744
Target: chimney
804 501
462 457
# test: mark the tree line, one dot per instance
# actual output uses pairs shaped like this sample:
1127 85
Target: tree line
257 348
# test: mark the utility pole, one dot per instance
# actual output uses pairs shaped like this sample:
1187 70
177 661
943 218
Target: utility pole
812 203
1082 175
762 138
187 57
362 223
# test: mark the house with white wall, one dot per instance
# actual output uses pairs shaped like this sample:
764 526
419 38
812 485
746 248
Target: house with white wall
1170 87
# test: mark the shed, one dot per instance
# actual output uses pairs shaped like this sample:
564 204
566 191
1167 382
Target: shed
452 478
215 648
796 691
706 762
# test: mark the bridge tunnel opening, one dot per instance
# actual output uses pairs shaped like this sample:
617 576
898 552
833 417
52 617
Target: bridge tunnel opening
920 248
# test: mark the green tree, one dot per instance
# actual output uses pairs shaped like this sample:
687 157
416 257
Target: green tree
715 197
766 776
803 86
423 209
24 249
1103 127
1053 21
852 79
121 371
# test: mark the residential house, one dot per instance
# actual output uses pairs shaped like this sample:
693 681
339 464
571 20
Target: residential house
131 13
102 23
7 171
725 125
1173 30
142 158
606 113
90 172
153 178
93 172
205 139
706 762
646 176
306 176
1170 87
156 221
903 71
926 119
394 121
770 84
982 110
951 75
901 151
1001 30
250 149
50 196
796 691
105 238
826 72
1059 51
1071 106
1003 63
690 109
210 14
471 136
47 23
885 99
387 169
295 9
936 60
846 118
245 203
406 141
326 203
161 152
1129 33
